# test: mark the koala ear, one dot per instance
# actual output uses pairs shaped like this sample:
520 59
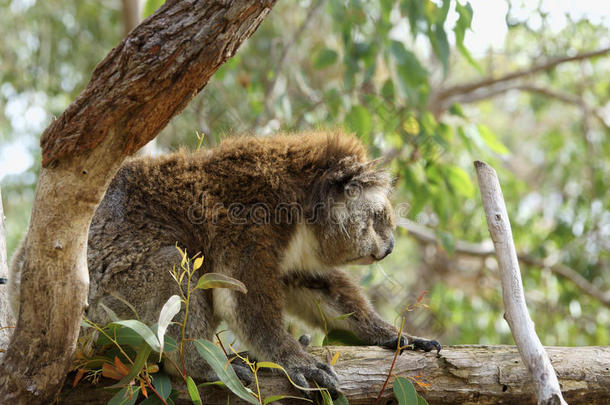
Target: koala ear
347 179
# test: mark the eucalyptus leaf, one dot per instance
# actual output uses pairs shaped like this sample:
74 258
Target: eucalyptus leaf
216 358
460 181
404 391
193 391
122 397
169 310
359 120
325 58
491 140
162 384
144 331
421 400
274 398
219 280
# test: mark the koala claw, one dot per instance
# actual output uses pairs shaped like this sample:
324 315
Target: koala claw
426 345
320 373
417 344
243 372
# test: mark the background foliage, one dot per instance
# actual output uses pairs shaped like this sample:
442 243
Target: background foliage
399 75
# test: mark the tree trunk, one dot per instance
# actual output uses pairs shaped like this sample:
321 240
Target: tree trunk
463 374
133 93
6 320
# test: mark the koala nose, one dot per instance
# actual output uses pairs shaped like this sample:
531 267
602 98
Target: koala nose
389 248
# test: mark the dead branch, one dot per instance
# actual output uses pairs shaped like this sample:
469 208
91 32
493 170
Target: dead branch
463 374
546 384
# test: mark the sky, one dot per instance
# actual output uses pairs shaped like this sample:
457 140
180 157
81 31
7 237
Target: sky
488 30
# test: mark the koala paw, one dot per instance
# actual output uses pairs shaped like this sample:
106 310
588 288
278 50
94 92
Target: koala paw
417 344
243 372
320 373
426 345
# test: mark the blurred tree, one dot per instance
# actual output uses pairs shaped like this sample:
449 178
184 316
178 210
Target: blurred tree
399 74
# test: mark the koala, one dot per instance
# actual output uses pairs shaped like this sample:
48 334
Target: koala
281 214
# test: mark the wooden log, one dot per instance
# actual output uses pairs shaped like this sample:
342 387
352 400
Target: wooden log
471 374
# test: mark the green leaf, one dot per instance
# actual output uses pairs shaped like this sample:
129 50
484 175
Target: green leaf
162 384
491 140
218 280
123 336
150 6
441 12
170 344
274 398
154 400
193 391
421 400
142 330
440 44
326 398
456 109
111 314
122 397
169 310
404 391
326 57
463 23
216 358
387 90
411 71
138 365
360 121
341 400
460 181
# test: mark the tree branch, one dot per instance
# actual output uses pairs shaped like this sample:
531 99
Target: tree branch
546 384
463 374
484 94
485 248
444 95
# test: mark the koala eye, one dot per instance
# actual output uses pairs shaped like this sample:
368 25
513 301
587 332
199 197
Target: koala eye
378 215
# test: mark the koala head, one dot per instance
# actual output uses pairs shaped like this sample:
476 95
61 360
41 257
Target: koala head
356 221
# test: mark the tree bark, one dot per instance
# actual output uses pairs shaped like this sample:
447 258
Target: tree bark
133 93
535 358
463 374
6 319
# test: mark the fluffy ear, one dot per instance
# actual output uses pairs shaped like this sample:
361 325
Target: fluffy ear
347 179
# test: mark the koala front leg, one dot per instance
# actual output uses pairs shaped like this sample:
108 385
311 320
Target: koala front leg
322 298
256 318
